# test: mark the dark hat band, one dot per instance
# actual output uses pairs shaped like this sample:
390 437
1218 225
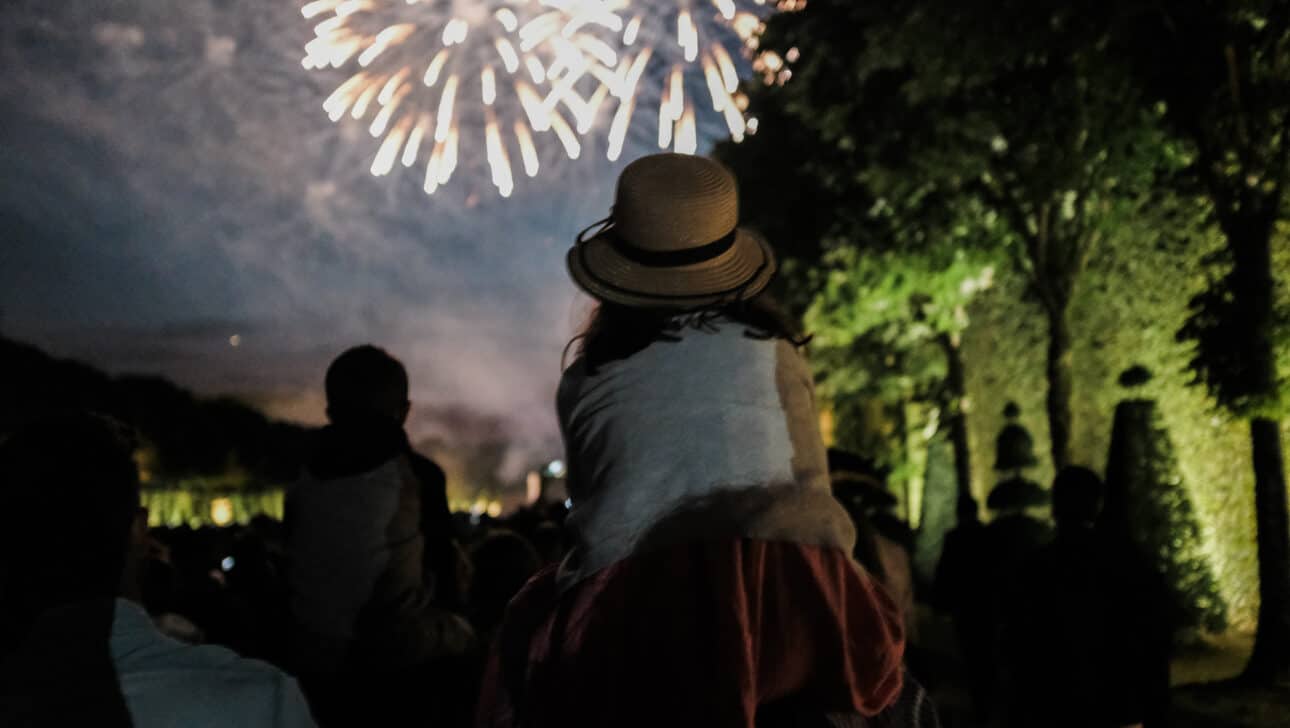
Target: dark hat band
657 258
671 258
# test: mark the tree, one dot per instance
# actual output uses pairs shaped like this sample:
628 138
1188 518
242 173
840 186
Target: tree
1030 128
885 299
1221 71
910 309
921 125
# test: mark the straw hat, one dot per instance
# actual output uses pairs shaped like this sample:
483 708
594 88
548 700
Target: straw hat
672 240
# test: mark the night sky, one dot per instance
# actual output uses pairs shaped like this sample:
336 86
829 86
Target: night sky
168 180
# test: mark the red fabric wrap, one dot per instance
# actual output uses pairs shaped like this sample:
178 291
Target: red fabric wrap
700 634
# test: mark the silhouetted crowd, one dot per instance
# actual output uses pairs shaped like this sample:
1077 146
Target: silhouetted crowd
715 565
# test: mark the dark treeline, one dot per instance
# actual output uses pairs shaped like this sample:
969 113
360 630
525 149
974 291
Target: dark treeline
190 436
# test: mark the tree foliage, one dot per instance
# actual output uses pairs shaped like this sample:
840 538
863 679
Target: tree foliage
1221 72
934 132
896 305
882 283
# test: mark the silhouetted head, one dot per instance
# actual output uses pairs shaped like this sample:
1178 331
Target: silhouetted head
76 471
504 561
967 510
1077 496
366 382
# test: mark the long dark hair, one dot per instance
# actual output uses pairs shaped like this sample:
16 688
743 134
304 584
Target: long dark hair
616 332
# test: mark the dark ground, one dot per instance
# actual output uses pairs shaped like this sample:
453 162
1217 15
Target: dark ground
1206 692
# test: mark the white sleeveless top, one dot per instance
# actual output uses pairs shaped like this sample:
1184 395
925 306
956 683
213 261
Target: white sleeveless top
718 421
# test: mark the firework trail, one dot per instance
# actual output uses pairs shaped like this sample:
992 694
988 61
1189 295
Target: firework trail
440 79
685 60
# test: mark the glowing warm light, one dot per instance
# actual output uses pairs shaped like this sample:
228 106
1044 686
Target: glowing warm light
687 139
498 161
664 126
510 59
383 117
221 511
392 85
313 9
500 78
414 144
566 136
715 89
389 151
445 110
632 31
495 509
508 20
687 36
488 84
527 151
535 69
435 68
448 164
676 94
532 487
359 109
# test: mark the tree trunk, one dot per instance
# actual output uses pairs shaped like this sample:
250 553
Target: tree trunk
1059 382
1271 658
957 382
1253 285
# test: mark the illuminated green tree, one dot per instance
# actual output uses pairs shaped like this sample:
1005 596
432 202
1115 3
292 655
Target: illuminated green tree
887 325
1037 147
883 284
1222 72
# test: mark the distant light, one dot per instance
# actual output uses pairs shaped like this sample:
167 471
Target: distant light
235 340
556 469
227 564
222 511
495 509
532 487
568 503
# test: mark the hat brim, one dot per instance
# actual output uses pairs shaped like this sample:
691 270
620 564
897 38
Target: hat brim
738 274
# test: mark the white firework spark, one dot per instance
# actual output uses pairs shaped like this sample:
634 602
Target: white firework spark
439 79
685 58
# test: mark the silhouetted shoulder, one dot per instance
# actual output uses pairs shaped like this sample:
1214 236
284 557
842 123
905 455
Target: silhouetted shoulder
426 470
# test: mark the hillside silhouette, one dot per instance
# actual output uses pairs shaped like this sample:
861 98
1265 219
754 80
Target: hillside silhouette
182 436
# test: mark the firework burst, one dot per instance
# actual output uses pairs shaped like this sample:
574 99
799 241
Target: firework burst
436 80
685 60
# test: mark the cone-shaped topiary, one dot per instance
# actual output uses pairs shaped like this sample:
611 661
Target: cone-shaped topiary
1147 503
1014 448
